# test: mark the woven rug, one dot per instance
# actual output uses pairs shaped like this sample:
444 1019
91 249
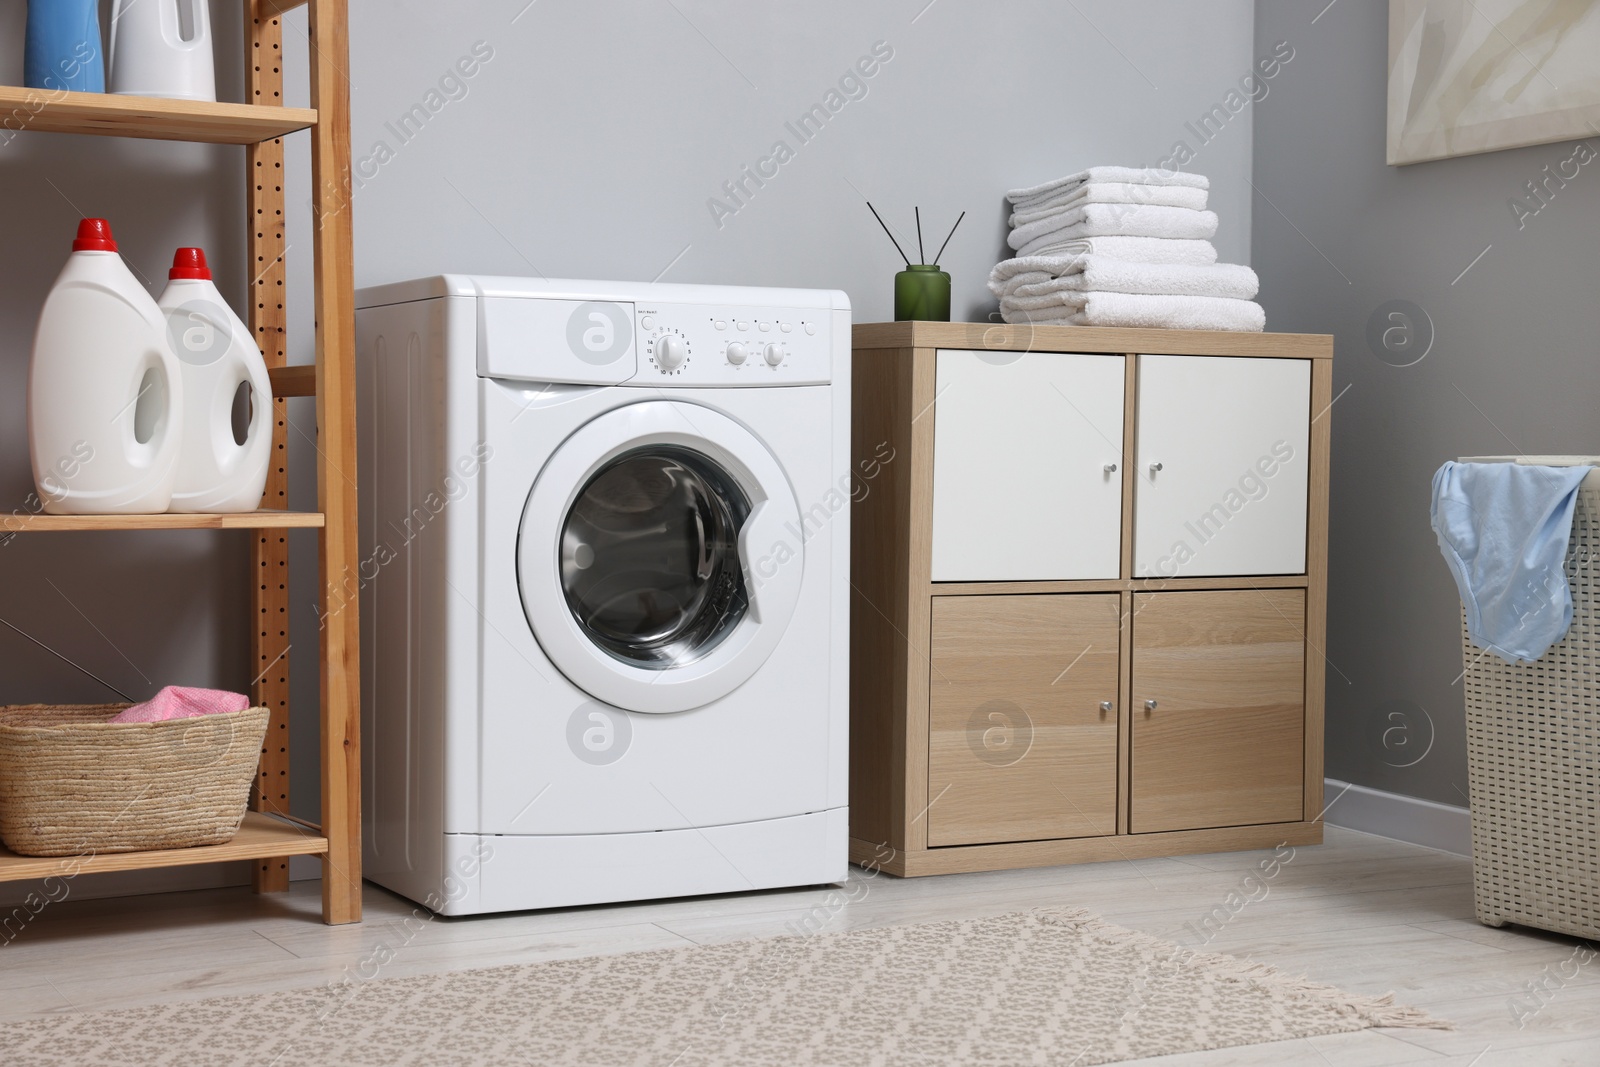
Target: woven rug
1052 986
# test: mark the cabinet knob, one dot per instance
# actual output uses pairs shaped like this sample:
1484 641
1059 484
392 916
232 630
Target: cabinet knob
1150 705
1106 705
1111 468
1154 467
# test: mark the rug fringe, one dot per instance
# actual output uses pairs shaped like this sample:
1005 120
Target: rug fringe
1373 1010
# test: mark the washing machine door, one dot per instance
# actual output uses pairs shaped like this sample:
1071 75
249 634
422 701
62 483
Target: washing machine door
660 556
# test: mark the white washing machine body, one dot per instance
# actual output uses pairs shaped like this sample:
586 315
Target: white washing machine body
604 589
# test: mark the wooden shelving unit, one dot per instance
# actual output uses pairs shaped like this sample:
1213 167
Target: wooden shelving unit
269 836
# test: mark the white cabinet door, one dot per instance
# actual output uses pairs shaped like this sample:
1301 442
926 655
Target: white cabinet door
1027 466
1223 456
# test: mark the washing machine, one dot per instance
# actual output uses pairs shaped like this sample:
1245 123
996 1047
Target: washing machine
605 534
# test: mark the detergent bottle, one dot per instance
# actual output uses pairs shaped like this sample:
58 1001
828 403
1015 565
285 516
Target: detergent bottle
162 48
227 397
103 388
61 50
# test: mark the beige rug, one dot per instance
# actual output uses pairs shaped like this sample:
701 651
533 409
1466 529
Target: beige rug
1057 987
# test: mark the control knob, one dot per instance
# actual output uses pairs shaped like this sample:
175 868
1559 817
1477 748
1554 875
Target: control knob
774 354
671 351
737 353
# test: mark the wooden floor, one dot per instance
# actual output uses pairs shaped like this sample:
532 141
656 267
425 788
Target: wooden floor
1364 913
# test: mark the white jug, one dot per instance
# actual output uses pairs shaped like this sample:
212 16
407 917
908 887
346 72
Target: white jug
162 48
218 470
104 392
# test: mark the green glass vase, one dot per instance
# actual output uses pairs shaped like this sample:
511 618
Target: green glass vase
922 293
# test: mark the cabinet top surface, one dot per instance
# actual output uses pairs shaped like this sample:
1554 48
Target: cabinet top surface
1022 337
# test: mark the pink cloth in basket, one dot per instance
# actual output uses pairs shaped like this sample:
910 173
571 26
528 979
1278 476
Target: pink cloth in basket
184 702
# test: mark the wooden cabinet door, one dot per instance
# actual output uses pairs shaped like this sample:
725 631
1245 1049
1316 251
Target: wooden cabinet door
1225 743
1223 463
1027 466
1022 741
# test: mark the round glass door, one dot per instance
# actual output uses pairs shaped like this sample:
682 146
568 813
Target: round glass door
650 556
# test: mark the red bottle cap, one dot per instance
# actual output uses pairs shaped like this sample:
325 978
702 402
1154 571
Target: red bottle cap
189 263
94 235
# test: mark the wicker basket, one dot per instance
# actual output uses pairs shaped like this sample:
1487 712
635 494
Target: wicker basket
1533 756
73 784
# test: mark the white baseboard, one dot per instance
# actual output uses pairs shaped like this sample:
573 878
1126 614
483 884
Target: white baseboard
158 880
1445 827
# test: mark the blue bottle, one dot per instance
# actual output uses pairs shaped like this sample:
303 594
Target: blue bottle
63 48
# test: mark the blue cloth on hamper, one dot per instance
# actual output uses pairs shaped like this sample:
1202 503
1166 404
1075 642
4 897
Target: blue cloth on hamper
1503 529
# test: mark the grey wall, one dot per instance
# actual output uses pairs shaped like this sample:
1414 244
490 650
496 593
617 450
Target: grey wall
1511 368
587 145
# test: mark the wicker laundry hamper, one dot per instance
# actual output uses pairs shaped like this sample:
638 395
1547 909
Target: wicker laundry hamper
74 784
1533 756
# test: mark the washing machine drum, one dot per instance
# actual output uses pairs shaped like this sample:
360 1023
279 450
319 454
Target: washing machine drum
650 556
654 557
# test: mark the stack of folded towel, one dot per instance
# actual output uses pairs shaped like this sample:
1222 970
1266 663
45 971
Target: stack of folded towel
1117 246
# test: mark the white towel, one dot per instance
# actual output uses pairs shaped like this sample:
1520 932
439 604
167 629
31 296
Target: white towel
1128 309
1058 258
1111 193
1129 175
1119 220
1108 275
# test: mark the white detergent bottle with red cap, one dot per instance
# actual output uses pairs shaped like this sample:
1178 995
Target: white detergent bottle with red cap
104 393
227 397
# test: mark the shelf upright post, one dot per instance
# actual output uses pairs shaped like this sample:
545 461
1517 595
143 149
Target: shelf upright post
338 558
269 549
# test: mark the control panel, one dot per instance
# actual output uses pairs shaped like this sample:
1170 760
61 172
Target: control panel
698 344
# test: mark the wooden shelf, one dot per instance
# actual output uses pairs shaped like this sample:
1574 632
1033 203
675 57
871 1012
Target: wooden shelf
298 380
259 837
242 520
147 117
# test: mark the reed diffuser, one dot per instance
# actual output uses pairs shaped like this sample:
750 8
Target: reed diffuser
922 290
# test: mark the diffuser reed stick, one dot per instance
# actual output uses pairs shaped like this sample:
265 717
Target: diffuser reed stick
885 226
951 234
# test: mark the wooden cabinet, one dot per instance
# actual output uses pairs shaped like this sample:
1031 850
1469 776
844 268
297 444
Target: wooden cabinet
1022 732
1218 709
1038 674
1027 483
1222 464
